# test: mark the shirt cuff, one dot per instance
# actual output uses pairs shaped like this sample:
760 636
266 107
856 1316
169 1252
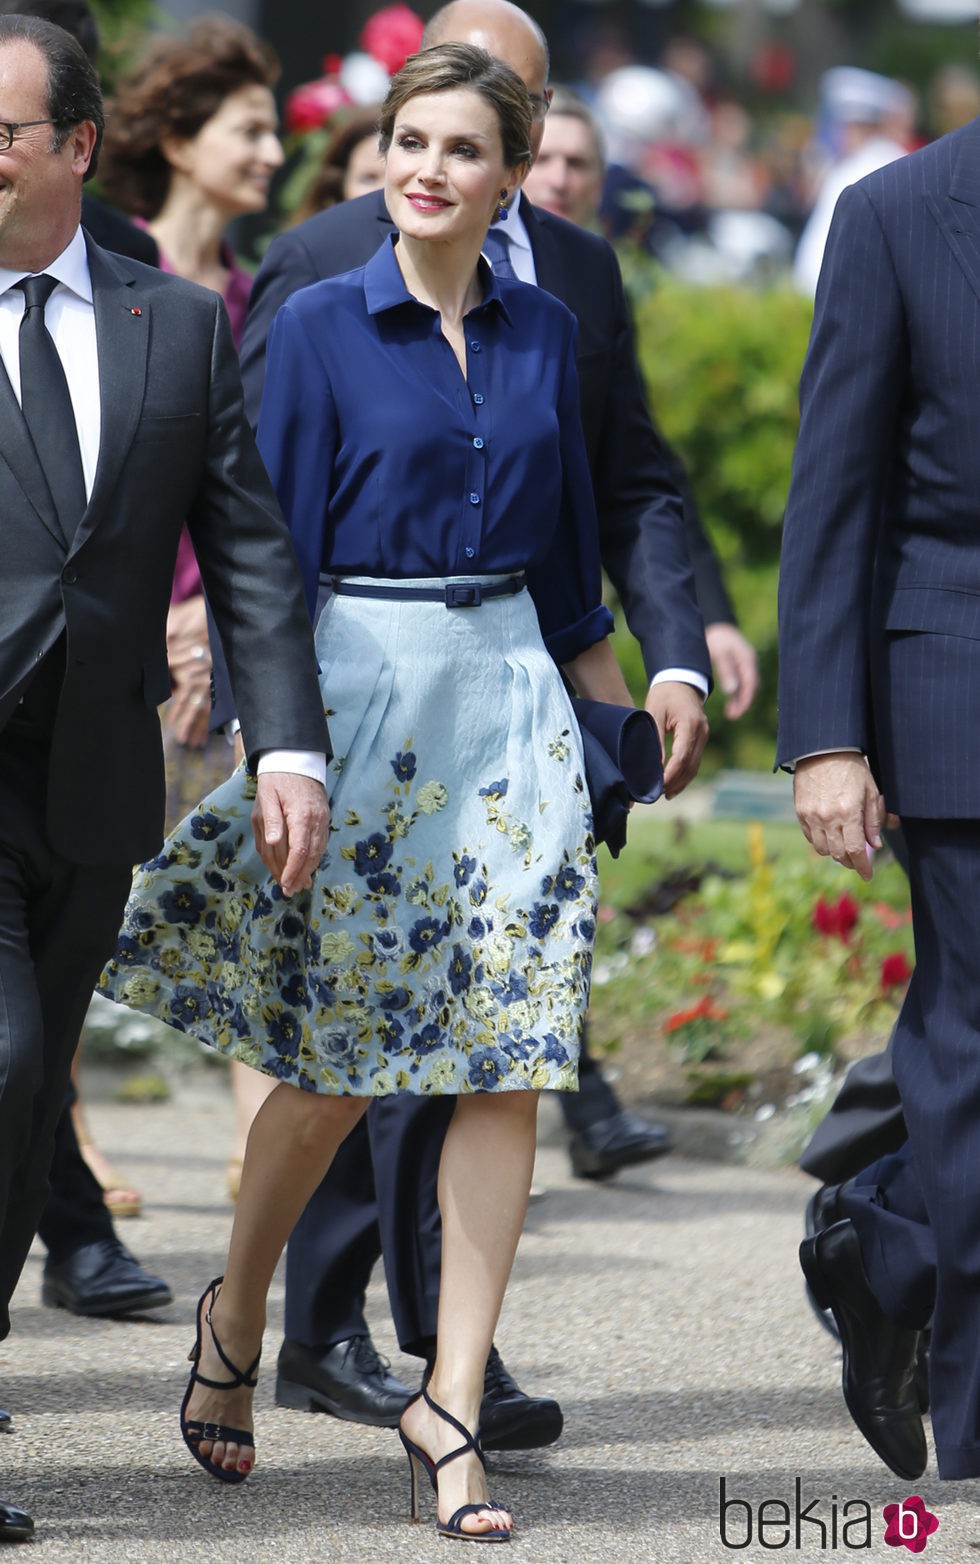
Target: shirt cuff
565 645
298 762
681 676
838 749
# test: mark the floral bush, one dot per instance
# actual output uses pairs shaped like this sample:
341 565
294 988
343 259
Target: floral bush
787 948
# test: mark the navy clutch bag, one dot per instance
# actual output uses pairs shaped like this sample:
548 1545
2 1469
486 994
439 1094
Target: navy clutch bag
623 765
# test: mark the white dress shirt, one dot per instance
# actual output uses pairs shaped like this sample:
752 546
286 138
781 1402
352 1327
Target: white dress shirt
69 316
522 260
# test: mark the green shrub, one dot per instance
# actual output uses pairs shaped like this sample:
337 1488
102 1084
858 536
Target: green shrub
722 367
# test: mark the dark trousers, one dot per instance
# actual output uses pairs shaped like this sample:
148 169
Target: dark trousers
58 926
75 1212
380 1197
918 1213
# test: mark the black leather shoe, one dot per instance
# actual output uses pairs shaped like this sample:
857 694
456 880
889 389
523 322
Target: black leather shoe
511 1420
350 1380
822 1211
102 1279
879 1358
15 1525
621 1141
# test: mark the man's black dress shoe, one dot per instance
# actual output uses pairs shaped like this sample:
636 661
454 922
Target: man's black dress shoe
621 1141
15 1525
822 1211
102 1279
879 1358
511 1420
350 1380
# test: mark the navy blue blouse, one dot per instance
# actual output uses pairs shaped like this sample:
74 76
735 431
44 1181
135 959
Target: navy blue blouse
388 462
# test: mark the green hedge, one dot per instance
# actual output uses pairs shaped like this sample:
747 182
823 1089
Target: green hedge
722 367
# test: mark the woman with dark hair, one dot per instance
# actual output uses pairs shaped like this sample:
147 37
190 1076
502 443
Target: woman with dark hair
351 164
192 144
421 426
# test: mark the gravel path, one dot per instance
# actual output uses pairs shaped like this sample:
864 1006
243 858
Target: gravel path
664 1310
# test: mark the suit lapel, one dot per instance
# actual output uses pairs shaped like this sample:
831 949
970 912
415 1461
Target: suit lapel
958 211
549 265
122 329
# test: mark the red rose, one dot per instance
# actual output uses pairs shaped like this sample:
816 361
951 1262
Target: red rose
310 106
895 970
836 918
391 35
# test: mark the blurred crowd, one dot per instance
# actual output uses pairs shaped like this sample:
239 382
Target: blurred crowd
716 188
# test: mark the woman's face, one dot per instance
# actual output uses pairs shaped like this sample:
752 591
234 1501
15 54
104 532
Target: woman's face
365 168
444 170
234 155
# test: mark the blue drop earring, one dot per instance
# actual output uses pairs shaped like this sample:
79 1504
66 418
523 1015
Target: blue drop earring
502 208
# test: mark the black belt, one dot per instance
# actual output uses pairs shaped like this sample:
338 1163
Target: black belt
458 594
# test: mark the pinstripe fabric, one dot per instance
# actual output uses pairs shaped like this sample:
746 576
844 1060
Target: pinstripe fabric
882 530
880 648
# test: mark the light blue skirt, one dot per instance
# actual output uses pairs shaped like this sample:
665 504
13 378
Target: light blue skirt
446 943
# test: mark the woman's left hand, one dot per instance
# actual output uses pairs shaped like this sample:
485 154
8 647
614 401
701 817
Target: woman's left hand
188 654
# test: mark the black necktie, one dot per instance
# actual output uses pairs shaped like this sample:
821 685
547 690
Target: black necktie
46 405
496 248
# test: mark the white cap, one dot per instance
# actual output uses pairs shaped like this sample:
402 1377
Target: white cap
851 95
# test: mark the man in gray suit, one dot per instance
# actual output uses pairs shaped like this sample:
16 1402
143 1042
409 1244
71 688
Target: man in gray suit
120 418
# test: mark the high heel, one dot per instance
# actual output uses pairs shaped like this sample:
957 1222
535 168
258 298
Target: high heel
420 1460
193 1430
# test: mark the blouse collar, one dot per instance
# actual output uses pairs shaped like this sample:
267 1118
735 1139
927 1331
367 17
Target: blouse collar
384 285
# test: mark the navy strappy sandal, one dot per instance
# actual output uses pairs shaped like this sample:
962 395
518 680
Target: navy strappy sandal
193 1431
419 1460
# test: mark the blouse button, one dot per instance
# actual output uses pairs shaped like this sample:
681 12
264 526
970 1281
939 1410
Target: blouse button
479 400
475 347
478 443
470 552
474 499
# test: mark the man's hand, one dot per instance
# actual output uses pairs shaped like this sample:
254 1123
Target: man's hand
736 667
840 808
678 709
290 819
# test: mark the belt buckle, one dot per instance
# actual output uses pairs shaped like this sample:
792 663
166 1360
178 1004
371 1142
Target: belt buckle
464 594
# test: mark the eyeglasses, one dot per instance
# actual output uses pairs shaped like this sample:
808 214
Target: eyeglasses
7 128
540 104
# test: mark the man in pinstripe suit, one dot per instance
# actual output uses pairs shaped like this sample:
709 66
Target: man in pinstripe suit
880 709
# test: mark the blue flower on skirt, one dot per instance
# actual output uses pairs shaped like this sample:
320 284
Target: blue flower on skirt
460 970
207 825
478 893
553 1051
388 1030
183 903
398 999
293 993
290 925
488 1067
463 871
544 916
185 1007
404 766
426 1041
495 789
426 934
585 928
285 1068
285 1034
129 949
373 854
513 990
479 928
385 884
566 884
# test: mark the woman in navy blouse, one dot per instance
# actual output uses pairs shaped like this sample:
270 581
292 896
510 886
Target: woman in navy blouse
421 426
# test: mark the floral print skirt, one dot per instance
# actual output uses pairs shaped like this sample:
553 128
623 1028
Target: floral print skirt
446 943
